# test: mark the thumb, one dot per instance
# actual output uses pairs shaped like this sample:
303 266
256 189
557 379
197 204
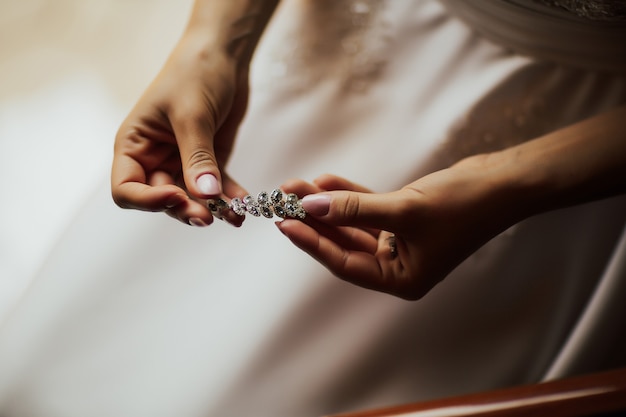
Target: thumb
349 208
200 169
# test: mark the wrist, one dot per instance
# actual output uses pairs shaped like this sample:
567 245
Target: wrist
231 28
577 164
509 191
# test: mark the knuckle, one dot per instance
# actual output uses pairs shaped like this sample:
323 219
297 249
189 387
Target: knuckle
194 115
406 213
130 139
201 158
351 207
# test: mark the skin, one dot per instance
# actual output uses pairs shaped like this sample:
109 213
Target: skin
442 218
184 125
183 128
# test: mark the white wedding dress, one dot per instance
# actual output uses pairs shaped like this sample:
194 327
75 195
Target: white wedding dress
135 315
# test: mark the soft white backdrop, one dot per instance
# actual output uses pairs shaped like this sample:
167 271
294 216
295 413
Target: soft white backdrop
69 72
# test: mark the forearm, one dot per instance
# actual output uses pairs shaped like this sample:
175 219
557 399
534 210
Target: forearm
230 27
574 165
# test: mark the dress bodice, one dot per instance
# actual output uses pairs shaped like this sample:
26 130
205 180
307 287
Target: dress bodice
588 34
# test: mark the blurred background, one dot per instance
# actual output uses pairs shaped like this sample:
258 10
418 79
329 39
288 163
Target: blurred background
70 70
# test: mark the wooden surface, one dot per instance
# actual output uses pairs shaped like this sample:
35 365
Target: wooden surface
588 395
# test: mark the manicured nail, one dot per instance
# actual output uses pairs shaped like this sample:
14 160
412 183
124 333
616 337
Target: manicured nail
316 204
174 200
233 219
196 221
278 225
207 184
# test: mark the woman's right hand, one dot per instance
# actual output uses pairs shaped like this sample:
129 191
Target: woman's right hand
172 149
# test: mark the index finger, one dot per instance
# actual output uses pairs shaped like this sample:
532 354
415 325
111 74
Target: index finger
130 190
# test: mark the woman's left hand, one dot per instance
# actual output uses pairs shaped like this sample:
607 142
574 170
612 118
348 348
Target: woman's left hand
403 242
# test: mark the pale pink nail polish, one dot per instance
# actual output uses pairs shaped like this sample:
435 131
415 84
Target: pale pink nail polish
316 204
207 184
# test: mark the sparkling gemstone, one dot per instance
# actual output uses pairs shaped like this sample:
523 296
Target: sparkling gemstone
248 200
251 205
217 205
254 210
279 210
263 198
238 207
277 196
300 212
266 211
292 198
291 208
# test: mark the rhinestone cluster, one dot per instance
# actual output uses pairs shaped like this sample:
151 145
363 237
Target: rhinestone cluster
265 204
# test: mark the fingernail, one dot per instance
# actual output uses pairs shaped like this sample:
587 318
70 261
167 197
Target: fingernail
278 225
207 184
174 200
196 221
234 219
316 204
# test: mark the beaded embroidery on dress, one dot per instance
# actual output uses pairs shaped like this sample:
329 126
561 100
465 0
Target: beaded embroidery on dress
603 10
342 40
